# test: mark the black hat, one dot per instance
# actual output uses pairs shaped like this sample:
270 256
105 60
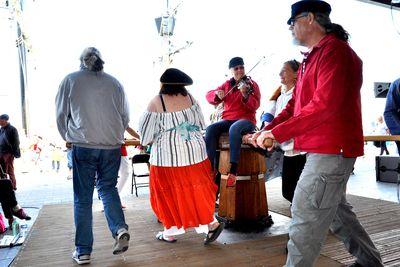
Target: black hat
175 76
4 117
236 61
315 6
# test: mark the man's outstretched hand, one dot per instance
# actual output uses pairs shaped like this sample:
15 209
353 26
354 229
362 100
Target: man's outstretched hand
263 139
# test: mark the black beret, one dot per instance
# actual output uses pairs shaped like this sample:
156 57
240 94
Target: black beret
315 6
175 76
4 117
236 61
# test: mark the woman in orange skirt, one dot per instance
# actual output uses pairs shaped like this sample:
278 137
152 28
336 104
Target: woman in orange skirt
182 191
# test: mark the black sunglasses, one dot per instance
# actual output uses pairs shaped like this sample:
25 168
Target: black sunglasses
238 68
293 20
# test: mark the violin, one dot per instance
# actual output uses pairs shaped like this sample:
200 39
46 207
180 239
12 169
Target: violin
245 83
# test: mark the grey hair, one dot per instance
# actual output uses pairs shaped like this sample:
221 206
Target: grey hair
324 20
91 59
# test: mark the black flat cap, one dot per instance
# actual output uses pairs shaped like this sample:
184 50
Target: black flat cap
236 61
175 76
4 117
315 6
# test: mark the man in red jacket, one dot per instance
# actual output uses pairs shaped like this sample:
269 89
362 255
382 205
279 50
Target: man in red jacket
324 118
241 100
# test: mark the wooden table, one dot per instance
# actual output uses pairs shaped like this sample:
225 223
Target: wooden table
132 142
267 142
381 138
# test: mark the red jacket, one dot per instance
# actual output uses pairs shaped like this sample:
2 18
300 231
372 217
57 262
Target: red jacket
235 106
324 115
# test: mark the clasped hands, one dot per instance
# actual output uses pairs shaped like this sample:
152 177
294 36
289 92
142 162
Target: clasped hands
259 139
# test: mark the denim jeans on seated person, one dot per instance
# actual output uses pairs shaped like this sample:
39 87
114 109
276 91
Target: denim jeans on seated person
95 167
236 129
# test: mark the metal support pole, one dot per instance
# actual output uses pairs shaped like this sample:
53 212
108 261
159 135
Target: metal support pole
22 78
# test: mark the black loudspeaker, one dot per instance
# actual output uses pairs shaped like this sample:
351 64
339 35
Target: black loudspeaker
381 89
386 168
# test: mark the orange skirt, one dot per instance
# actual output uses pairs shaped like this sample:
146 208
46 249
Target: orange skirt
183 197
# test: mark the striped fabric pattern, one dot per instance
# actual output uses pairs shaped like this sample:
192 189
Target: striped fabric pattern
169 148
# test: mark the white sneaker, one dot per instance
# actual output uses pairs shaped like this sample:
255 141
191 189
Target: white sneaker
81 259
121 241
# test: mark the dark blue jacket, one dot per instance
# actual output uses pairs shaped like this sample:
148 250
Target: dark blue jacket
9 139
392 108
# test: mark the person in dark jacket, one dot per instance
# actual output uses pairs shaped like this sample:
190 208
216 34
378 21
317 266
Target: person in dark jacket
392 110
9 147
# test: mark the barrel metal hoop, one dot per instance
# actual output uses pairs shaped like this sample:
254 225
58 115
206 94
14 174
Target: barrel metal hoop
242 177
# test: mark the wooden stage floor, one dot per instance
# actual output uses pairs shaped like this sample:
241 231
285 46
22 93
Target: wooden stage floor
50 242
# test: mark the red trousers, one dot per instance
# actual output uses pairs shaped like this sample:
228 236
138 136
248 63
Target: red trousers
7 162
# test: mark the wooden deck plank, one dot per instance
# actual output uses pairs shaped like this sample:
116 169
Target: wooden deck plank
53 235
51 241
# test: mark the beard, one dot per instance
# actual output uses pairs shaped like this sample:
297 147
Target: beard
295 41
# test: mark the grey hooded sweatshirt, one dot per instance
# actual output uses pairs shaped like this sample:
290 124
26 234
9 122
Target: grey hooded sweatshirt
92 110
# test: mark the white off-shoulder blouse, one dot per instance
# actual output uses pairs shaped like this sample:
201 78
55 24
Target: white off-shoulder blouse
175 137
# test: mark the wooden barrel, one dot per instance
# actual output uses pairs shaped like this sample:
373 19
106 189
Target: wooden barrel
247 200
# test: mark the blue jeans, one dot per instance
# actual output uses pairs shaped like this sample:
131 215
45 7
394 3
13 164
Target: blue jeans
69 158
391 121
236 129
89 164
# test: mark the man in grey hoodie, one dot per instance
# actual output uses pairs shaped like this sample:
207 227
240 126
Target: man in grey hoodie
92 114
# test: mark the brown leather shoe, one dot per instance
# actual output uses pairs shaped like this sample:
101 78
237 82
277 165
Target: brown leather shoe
21 214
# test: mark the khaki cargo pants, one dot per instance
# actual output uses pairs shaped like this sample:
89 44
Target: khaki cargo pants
320 204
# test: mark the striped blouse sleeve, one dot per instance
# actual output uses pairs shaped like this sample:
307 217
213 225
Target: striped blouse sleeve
148 127
200 116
